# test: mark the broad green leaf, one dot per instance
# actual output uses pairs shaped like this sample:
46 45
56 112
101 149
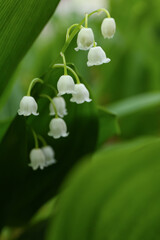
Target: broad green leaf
115 196
108 125
20 23
25 190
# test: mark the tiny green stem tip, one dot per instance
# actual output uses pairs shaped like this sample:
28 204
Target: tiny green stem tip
86 20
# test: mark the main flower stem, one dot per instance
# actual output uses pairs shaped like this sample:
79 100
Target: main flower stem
33 82
50 99
70 69
35 139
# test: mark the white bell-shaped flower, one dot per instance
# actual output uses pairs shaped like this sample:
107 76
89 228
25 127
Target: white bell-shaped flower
37 159
65 84
108 27
58 128
85 39
81 94
60 105
49 155
28 106
96 56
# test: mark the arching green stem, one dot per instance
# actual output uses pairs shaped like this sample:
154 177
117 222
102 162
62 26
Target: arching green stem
42 140
35 139
69 29
64 63
50 99
70 69
33 82
100 10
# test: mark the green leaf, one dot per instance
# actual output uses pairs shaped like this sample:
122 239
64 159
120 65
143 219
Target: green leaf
20 24
115 196
138 103
108 125
24 190
133 112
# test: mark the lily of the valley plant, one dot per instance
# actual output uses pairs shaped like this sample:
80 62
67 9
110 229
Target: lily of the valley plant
45 156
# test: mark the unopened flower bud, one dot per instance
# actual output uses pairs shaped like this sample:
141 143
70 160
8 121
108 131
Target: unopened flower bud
96 56
28 106
81 94
108 27
37 159
49 155
85 39
58 128
60 105
65 84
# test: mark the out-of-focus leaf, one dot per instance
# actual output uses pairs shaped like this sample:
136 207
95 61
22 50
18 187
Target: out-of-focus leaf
138 115
138 103
20 24
36 231
114 196
28 190
108 125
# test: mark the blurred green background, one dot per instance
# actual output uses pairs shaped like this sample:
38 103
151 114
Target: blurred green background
133 70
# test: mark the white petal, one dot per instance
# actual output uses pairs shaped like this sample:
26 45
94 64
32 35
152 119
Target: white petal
65 85
60 106
37 159
58 128
96 56
108 27
85 39
49 155
28 106
81 94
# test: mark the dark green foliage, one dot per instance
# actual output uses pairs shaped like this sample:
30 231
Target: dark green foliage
114 197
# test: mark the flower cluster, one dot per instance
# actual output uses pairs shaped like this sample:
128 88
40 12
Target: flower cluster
43 157
85 41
